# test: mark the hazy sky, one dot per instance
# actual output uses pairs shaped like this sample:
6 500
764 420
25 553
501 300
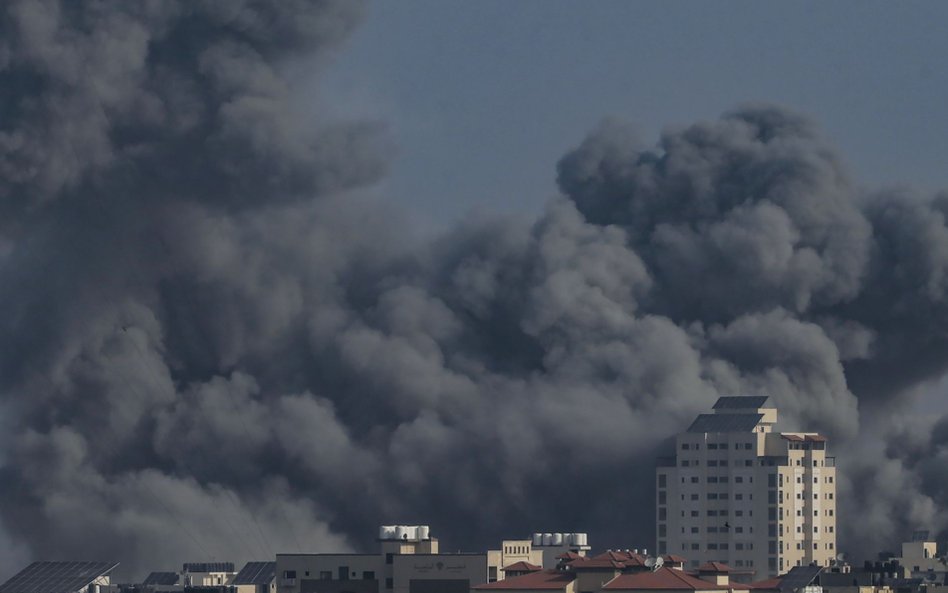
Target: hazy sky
483 97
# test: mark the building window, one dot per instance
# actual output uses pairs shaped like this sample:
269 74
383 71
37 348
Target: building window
694 497
368 575
694 530
389 558
711 513
712 546
343 573
748 446
712 446
712 463
694 546
662 480
684 463
738 496
694 479
389 582
289 574
748 462
684 447
662 498
325 575
712 480
694 513
738 530
662 514
738 513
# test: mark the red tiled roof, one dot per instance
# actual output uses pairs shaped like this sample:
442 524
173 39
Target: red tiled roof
550 580
522 566
773 583
791 437
569 555
714 567
610 559
663 578
816 437
674 558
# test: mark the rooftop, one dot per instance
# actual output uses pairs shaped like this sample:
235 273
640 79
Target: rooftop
208 567
522 566
256 573
717 567
664 578
56 577
161 578
742 402
725 422
543 580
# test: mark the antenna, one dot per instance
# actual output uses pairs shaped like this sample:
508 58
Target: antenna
659 562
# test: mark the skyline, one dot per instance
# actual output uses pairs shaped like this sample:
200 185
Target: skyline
219 297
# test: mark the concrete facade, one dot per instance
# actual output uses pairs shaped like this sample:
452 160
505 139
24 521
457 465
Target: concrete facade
738 493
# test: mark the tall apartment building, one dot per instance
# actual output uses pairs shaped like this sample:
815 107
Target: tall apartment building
736 492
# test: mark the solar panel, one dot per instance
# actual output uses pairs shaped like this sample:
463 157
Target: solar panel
725 422
56 577
161 578
799 577
741 402
256 573
208 567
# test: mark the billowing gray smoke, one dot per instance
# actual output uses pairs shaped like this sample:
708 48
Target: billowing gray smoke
215 347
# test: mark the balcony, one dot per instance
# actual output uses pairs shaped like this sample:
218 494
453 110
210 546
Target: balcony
288 582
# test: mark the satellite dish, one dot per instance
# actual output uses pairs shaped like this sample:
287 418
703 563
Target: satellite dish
841 557
650 562
659 562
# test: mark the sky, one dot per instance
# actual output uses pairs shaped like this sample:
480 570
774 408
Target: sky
501 87
276 272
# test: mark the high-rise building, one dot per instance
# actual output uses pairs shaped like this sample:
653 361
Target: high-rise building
736 492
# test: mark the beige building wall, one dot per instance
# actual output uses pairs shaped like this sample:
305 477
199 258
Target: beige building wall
736 492
511 551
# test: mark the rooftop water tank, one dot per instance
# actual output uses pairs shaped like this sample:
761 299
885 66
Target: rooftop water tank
537 539
547 539
424 532
557 539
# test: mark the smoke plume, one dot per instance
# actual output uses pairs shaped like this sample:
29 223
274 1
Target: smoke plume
215 346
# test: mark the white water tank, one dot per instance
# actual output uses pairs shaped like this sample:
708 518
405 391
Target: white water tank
424 532
537 539
557 539
400 532
382 532
581 539
547 539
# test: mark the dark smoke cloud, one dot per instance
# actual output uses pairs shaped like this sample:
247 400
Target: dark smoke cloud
215 346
